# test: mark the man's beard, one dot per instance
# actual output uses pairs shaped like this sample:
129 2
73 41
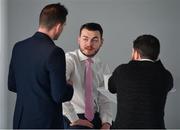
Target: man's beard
56 37
90 55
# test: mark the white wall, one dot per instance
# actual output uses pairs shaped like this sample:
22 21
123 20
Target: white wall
122 21
3 63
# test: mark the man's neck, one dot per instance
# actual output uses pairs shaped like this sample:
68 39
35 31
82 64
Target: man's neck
45 31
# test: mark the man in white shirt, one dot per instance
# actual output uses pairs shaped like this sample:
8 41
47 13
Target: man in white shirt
90 41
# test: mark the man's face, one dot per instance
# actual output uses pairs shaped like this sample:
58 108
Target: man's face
90 42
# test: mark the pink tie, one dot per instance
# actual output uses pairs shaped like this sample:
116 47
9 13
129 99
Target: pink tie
89 114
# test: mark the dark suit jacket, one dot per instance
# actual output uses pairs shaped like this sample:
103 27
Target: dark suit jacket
37 75
141 88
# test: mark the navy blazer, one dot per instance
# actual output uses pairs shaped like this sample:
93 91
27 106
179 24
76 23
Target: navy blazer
37 75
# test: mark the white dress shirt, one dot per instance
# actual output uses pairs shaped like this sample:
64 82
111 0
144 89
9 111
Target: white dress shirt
75 72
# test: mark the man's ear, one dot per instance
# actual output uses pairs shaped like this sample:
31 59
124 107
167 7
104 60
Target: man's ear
132 54
58 27
135 54
102 41
78 39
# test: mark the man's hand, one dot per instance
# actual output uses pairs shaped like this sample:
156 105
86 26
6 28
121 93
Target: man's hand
82 122
105 126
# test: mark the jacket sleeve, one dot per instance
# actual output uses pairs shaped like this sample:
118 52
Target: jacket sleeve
168 76
60 90
111 83
11 76
169 80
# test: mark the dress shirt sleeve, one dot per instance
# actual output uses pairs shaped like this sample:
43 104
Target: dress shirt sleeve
105 105
68 109
69 66
105 109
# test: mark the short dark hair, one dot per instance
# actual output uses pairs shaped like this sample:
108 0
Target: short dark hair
92 27
148 46
52 14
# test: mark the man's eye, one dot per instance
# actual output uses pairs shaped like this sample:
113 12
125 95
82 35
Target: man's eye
94 41
85 39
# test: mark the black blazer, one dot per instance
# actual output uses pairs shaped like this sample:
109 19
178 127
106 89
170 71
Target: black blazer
141 88
37 75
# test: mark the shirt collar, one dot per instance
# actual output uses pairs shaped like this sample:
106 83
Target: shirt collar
146 60
82 57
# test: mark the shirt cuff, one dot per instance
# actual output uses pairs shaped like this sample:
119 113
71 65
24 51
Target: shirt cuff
72 117
106 119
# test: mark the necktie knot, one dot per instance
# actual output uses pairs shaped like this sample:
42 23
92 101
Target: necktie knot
89 61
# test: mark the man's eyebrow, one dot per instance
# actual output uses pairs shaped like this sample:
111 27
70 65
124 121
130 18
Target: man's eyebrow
85 36
95 37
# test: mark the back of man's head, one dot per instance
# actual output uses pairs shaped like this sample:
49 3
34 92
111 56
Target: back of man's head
52 14
148 46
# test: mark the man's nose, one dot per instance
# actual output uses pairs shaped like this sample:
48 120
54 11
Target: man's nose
90 43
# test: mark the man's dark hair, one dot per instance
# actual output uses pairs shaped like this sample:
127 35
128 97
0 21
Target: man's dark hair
148 46
53 14
92 27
